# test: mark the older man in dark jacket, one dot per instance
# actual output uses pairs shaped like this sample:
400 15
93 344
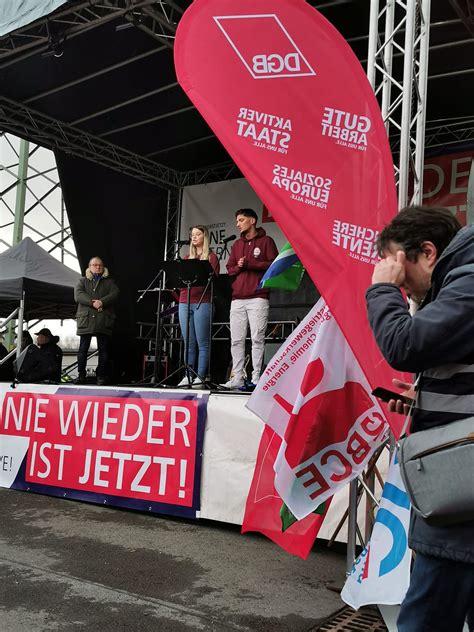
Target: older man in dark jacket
425 252
96 294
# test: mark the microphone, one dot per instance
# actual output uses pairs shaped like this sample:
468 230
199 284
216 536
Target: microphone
227 239
181 242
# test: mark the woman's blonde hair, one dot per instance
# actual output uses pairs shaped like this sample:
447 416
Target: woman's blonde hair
205 245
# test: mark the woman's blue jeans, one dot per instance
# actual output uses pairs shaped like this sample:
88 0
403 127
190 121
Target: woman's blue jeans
199 320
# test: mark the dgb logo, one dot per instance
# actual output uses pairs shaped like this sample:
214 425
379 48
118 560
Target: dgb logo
276 64
264 46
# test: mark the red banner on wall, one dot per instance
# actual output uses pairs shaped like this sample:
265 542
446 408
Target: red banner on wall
290 102
124 445
445 182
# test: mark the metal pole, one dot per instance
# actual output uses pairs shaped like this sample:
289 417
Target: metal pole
373 41
408 77
423 89
21 192
351 526
388 63
470 196
18 226
19 338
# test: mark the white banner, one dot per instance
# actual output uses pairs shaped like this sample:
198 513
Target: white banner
214 206
381 573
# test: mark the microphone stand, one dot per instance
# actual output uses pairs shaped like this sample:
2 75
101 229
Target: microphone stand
210 283
158 339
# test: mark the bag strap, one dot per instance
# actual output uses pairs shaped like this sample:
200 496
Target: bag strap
412 405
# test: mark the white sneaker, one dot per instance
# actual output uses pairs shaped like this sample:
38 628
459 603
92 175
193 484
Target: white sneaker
198 383
185 382
233 384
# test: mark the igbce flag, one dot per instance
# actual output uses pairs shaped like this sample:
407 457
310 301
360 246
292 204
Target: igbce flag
290 102
314 395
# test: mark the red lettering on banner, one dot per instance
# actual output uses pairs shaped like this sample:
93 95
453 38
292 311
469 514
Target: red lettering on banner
343 461
316 477
377 427
135 447
357 448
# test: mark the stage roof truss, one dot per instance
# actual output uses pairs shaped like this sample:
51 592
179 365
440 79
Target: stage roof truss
465 11
27 123
155 132
77 18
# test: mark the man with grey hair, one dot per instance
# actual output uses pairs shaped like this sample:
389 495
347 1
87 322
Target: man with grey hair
96 295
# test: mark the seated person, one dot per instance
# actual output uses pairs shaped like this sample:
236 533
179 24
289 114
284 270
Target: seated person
6 369
26 339
41 362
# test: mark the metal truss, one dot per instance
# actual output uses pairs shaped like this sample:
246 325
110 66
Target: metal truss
173 221
465 11
39 128
277 331
25 122
449 132
213 173
32 190
31 204
405 26
157 18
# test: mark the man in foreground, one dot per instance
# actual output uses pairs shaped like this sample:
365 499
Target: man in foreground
250 257
95 294
425 252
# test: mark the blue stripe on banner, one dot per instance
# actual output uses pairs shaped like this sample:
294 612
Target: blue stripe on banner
399 544
396 495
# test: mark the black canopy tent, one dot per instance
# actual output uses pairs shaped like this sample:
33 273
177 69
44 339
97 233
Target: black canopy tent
46 284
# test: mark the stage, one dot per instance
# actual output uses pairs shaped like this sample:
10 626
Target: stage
174 452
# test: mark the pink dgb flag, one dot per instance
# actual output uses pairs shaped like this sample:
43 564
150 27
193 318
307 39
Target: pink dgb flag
290 102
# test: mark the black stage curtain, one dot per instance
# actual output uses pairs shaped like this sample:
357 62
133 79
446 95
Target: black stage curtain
122 220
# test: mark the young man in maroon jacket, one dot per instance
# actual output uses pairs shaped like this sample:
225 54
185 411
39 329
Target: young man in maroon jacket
251 255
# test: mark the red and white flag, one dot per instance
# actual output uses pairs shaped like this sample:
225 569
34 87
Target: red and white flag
290 102
314 395
266 512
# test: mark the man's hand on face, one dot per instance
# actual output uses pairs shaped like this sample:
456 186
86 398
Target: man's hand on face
391 269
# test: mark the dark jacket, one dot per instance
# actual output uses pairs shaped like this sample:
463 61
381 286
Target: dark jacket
6 369
90 320
52 355
259 253
40 364
438 343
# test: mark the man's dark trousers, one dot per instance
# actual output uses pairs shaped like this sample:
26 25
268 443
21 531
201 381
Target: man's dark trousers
103 345
434 581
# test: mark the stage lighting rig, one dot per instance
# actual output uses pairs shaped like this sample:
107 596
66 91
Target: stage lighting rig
133 18
56 43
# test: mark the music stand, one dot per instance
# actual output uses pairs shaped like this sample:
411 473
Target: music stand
185 273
